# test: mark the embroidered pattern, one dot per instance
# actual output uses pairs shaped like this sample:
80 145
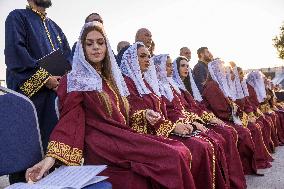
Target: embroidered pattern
33 84
65 153
165 128
139 122
206 117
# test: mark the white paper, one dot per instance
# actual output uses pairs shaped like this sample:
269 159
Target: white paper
73 177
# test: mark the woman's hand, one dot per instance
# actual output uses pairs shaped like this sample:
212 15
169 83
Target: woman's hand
200 127
217 121
183 129
36 172
152 116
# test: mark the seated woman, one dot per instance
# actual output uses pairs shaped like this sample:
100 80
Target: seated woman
216 97
145 99
262 155
270 104
93 125
246 105
184 81
257 95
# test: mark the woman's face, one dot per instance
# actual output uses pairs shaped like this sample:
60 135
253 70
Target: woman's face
95 46
183 69
169 67
143 58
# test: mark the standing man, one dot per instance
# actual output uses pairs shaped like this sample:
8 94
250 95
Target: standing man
185 51
200 70
29 36
144 35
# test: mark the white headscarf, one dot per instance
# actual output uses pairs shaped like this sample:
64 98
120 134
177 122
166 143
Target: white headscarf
255 79
176 76
84 77
196 94
130 67
164 85
236 91
218 74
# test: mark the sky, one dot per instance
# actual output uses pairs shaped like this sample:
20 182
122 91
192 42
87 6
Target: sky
234 30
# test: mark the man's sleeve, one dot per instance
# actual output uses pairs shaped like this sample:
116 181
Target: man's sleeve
200 76
24 68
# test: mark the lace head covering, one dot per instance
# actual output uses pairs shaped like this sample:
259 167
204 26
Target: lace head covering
176 76
84 77
218 74
196 94
130 67
255 79
164 84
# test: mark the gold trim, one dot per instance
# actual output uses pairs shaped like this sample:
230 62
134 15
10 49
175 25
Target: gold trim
244 119
65 153
206 117
213 159
139 122
43 19
165 128
35 82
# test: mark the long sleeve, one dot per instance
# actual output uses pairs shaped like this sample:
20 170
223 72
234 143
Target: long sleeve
137 114
200 75
216 101
19 62
66 142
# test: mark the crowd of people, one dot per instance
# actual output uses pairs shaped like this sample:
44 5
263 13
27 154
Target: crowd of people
155 121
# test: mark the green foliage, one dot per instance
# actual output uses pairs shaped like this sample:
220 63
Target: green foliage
278 42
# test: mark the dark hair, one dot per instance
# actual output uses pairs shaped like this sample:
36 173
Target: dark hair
92 14
201 50
186 81
106 66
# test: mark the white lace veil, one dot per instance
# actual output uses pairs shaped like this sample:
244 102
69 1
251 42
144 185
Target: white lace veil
255 79
164 85
176 76
130 67
84 77
196 94
218 74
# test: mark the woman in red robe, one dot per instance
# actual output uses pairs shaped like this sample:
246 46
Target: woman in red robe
93 126
262 155
247 106
184 80
256 96
215 96
145 99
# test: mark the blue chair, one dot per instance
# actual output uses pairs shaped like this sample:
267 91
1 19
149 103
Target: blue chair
100 185
20 141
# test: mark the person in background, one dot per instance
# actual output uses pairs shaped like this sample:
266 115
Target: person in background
185 51
29 36
200 70
90 18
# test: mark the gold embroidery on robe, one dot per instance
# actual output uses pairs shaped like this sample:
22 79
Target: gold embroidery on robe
64 153
165 128
34 83
139 121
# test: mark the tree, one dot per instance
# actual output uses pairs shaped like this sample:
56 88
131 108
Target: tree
279 42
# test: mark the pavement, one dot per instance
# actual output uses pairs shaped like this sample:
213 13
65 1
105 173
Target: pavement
273 177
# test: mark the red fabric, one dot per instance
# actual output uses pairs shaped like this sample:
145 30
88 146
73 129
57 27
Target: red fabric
201 149
147 161
236 174
216 101
252 96
262 156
